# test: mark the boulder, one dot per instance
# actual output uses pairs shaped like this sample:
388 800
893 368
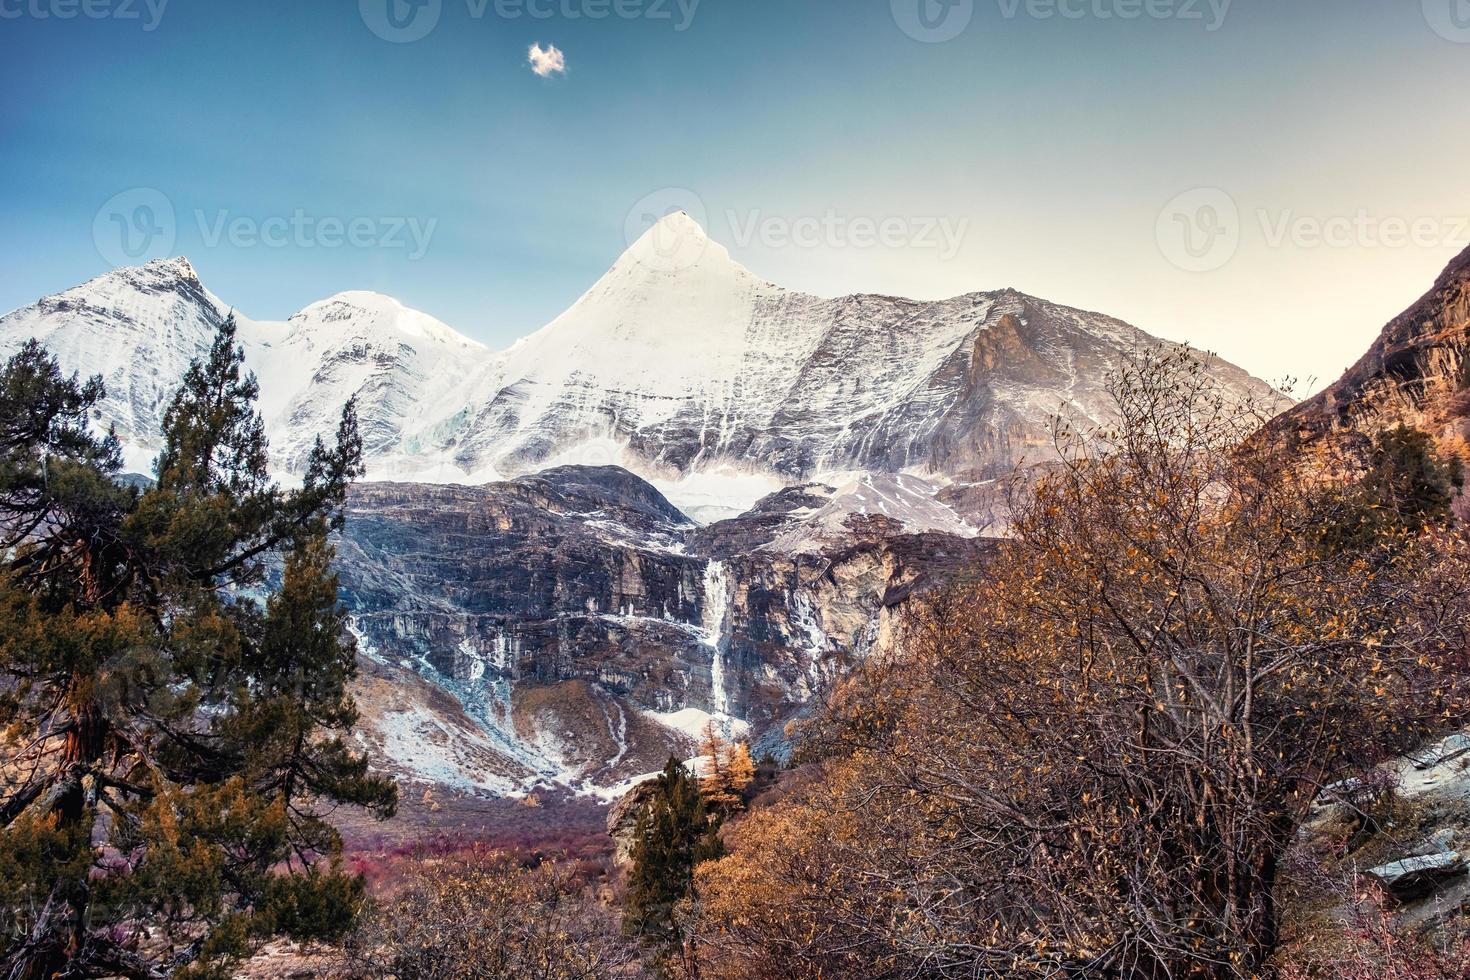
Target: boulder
1441 842
622 819
1445 750
1414 878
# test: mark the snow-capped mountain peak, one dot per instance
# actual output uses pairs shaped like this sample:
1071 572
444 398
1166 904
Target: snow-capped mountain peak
139 327
374 314
667 320
675 244
147 289
179 265
677 363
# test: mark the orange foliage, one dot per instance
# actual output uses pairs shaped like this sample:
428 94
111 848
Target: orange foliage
1093 760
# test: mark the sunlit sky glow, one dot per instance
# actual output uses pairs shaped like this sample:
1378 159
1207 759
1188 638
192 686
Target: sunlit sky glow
1041 148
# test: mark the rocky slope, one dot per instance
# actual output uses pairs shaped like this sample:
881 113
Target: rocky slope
1417 372
589 629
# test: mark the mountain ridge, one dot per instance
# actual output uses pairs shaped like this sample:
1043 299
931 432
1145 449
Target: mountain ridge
677 363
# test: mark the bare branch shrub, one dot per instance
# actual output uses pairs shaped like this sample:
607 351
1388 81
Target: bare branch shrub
483 915
1101 751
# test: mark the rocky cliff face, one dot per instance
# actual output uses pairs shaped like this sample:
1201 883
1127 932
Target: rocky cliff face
591 630
1417 372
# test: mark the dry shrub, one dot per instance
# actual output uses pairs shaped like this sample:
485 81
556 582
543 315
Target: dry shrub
1093 762
484 915
1373 945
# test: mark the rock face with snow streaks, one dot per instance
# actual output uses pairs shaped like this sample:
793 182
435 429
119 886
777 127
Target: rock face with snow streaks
584 584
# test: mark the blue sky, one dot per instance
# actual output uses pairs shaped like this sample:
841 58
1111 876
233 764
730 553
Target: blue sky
1046 146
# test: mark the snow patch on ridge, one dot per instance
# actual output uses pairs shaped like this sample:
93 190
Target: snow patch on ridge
718 493
694 721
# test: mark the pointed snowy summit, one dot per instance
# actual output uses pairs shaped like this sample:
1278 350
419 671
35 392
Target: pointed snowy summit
678 356
673 244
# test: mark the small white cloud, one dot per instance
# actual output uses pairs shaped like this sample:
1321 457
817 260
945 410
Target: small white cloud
547 61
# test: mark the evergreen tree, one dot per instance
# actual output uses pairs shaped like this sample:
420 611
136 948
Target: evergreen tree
170 738
1407 487
1409 480
674 833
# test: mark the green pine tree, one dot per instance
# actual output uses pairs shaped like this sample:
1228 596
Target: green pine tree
674 833
1409 480
1407 486
174 728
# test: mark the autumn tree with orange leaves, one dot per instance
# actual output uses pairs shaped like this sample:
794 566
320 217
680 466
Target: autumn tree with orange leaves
1092 761
728 771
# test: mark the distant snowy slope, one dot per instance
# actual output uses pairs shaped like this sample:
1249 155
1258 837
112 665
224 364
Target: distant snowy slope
361 345
140 327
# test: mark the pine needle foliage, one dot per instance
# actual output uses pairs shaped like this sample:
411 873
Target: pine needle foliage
175 718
